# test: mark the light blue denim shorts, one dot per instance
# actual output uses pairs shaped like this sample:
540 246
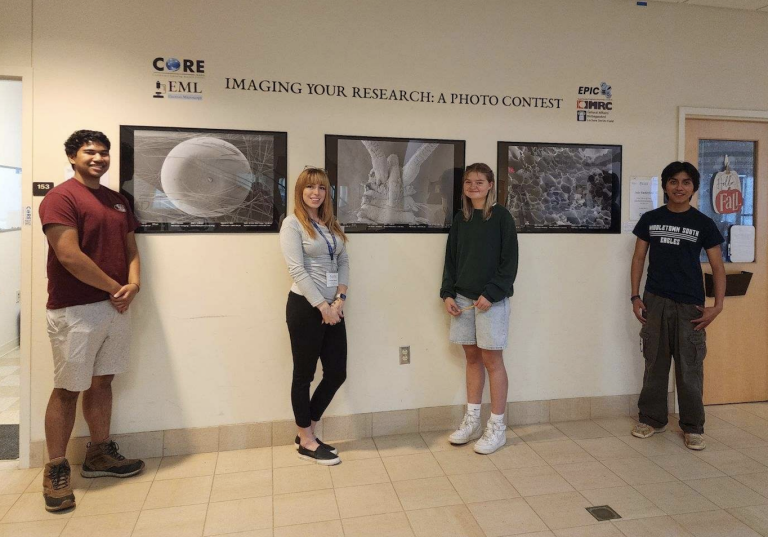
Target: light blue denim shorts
486 329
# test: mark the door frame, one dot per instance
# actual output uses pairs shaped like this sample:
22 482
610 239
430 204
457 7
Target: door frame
688 112
691 112
25 76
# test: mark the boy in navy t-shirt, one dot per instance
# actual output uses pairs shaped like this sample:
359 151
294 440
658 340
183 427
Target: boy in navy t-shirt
672 309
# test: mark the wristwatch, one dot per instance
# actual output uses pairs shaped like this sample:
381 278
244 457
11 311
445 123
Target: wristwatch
341 296
633 297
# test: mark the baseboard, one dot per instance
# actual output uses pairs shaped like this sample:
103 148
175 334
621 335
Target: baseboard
334 428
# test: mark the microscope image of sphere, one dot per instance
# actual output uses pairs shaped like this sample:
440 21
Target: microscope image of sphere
206 177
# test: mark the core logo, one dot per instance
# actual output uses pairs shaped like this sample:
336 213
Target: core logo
174 65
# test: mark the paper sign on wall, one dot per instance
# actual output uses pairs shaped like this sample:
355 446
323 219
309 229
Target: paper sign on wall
643 196
742 244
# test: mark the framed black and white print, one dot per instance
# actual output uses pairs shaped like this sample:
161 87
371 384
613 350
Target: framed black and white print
561 188
394 185
182 180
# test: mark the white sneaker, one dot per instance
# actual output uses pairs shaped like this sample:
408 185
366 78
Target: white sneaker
493 438
468 430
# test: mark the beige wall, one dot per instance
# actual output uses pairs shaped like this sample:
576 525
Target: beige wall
16 32
210 344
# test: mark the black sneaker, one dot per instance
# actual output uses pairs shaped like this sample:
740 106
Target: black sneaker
321 456
329 447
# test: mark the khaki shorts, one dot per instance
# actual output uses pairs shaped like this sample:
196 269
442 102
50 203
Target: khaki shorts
88 341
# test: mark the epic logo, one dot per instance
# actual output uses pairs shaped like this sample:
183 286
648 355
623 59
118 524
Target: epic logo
603 89
173 65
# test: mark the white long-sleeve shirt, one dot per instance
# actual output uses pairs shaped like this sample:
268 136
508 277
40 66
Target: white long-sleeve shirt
309 261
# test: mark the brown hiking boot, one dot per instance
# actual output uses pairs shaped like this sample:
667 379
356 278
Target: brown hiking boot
104 460
57 485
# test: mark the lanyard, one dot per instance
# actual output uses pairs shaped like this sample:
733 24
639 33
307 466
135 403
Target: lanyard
331 249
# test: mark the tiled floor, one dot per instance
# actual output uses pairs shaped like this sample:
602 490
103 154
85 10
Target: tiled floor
9 388
417 485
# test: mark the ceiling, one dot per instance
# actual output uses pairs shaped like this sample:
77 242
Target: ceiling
751 5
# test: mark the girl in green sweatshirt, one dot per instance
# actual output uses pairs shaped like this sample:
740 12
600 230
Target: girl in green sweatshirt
478 279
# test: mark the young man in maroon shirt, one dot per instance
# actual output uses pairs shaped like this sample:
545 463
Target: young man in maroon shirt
93 276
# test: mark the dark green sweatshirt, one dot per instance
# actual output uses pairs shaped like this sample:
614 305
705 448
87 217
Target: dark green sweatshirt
481 256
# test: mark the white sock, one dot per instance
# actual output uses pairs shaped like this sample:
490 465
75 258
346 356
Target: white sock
497 418
474 409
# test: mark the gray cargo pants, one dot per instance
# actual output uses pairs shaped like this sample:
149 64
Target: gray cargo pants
669 332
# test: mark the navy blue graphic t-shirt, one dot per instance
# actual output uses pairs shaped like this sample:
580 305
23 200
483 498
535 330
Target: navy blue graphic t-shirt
676 240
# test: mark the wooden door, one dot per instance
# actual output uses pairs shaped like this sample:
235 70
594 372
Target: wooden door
736 367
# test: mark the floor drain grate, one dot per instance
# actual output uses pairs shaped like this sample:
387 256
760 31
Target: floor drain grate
603 512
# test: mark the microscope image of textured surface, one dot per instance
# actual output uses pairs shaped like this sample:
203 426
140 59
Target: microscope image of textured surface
551 187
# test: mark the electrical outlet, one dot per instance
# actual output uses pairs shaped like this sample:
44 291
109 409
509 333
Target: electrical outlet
405 355
18 297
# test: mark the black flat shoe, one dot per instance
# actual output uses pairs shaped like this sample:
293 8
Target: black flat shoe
319 456
322 444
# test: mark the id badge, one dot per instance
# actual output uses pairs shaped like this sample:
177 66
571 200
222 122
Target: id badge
331 279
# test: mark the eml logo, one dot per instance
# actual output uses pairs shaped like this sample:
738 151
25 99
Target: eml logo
174 65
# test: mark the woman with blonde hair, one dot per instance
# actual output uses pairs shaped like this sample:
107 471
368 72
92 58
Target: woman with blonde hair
314 247
478 277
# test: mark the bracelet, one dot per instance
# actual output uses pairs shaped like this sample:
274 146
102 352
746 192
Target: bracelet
138 287
633 297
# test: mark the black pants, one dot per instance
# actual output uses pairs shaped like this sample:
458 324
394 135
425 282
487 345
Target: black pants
668 332
310 340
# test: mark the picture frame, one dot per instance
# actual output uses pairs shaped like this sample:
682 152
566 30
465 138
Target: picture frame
202 180
394 185
561 188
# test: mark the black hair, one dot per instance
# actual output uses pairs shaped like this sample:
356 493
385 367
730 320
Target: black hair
676 167
80 138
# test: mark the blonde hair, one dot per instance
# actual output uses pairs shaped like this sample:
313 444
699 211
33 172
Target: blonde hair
490 198
315 176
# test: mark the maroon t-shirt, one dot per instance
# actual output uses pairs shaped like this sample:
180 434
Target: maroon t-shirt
103 219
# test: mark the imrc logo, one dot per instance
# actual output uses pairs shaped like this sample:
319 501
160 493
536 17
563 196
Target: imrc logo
583 104
174 65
